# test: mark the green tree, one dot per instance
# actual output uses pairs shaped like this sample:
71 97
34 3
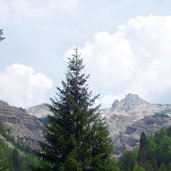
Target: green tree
77 137
16 160
162 167
164 150
138 168
143 148
1 33
128 160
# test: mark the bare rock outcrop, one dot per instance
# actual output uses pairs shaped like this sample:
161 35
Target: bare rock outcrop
22 126
132 115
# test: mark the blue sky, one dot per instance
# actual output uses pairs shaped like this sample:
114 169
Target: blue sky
125 44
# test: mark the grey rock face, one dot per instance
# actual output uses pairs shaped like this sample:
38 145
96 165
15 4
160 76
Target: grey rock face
23 127
131 116
3 103
129 103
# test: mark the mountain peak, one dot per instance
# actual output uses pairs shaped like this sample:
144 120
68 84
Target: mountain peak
130 95
130 102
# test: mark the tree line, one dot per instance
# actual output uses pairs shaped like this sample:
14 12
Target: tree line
153 154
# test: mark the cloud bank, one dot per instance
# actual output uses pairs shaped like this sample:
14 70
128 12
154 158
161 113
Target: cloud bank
21 86
21 9
136 58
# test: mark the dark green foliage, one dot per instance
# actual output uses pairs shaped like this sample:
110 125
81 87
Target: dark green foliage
1 33
77 137
128 160
154 153
162 167
15 159
143 149
138 168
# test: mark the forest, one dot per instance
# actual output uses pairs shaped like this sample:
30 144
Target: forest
153 154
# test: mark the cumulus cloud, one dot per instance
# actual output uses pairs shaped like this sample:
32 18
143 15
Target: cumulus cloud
21 9
136 58
21 86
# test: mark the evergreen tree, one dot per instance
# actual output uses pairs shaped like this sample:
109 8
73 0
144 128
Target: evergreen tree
162 167
1 33
77 137
128 160
138 168
143 149
15 157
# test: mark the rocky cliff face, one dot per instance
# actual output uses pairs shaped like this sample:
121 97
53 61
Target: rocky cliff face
131 116
22 126
128 139
130 103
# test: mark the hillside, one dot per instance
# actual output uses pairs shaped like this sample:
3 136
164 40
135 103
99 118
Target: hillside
21 125
17 156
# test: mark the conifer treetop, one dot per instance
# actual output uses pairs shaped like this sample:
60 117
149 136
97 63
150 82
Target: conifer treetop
77 138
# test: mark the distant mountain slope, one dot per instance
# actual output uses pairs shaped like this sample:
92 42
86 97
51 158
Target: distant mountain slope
22 126
40 111
132 110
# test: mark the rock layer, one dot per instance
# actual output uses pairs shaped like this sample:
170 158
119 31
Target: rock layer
22 126
130 117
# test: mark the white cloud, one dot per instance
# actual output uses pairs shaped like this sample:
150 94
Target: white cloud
136 58
21 9
22 86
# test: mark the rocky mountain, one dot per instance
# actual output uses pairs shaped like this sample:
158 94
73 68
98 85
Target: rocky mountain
132 115
21 125
128 139
130 103
39 111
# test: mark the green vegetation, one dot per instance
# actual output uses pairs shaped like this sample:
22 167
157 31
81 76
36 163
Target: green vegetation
154 153
14 156
77 137
1 33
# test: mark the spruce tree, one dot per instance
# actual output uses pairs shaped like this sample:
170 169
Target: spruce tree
77 137
143 149
1 33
